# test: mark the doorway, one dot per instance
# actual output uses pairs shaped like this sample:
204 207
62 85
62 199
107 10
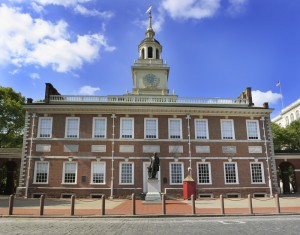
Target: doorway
8 178
287 178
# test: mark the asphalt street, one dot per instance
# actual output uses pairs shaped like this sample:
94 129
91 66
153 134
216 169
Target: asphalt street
283 224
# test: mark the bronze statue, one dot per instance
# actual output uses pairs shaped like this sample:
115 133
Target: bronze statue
154 166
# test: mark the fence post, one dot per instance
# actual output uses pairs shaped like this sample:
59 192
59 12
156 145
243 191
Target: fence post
72 205
42 203
277 204
222 204
250 204
133 204
11 204
193 204
103 205
163 200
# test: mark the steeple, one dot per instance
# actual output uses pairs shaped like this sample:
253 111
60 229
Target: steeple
149 72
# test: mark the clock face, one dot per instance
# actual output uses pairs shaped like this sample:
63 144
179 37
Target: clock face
151 81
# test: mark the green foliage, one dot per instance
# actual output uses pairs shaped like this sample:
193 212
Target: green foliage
286 138
12 116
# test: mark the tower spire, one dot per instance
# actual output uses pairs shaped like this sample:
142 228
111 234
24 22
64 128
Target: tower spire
150 32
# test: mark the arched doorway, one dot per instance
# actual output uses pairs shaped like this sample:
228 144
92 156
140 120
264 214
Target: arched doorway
9 178
287 177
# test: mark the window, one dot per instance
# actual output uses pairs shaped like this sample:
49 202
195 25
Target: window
204 173
70 173
257 174
227 129
176 173
151 128
287 121
292 117
126 173
201 129
98 173
41 172
157 54
230 172
150 52
175 131
99 127
127 128
253 130
297 115
72 127
45 127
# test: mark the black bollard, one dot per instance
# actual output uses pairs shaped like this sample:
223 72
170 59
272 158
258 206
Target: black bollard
42 203
163 200
72 205
250 204
11 204
193 204
133 204
103 205
222 204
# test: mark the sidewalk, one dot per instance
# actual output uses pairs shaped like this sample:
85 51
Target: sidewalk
121 207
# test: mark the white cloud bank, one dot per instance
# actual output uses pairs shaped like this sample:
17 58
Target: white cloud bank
88 90
260 97
28 41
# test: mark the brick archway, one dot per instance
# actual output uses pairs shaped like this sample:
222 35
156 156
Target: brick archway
9 177
288 177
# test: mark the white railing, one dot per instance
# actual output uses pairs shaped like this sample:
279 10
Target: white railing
145 99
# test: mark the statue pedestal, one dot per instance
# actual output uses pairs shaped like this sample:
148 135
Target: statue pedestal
153 191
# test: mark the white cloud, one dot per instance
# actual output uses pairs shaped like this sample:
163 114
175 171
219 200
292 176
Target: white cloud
236 6
65 3
37 8
25 40
260 97
86 12
88 90
34 76
194 9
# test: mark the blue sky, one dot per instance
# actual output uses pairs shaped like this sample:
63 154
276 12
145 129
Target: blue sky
215 48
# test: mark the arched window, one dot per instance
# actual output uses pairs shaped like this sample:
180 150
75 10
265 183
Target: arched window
287 121
157 54
292 117
297 115
150 52
143 53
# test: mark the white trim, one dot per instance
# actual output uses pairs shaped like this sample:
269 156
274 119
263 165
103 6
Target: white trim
262 173
35 172
207 131
182 172
180 128
105 126
66 127
232 125
39 127
156 128
258 130
209 169
63 175
120 173
121 127
236 173
92 173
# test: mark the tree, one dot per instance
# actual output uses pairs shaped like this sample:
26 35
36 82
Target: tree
286 138
12 118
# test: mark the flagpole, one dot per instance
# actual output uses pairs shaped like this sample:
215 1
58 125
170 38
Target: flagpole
280 90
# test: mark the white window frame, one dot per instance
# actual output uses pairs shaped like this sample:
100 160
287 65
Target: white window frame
206 126
297 115
66 127
292 117
120 173
287 121
94 126
236 172
232 130
35 172
39 127
92 172
156 128
170 171
64 167
121 128
257 127
180 127
262 172
209 169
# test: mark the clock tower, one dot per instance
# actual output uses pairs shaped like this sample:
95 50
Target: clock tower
150 73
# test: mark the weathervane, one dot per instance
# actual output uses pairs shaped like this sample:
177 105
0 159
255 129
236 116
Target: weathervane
149 11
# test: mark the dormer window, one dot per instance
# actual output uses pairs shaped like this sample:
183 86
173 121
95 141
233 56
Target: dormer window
150 52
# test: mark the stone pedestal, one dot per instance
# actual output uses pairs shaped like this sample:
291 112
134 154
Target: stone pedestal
153 191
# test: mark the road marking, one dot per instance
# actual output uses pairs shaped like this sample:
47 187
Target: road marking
232 222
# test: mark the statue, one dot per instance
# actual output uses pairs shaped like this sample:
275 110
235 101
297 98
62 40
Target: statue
154 166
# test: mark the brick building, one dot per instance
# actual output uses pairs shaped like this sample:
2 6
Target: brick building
92 145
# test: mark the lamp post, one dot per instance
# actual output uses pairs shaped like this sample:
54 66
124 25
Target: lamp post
267 156
113 116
